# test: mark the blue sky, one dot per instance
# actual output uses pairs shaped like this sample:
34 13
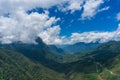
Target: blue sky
59 21
103 21
71 22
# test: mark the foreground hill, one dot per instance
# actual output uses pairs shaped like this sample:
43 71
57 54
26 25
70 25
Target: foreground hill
15 66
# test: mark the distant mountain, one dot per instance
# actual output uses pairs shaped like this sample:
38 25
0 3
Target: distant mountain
80 47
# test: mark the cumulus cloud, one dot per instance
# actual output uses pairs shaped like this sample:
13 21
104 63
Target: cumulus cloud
9 6
51 35
92 36
89 37
91 8
72 5
24 27
17 25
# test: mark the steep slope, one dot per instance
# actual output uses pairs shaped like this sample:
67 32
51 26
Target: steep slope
105 52
113 71
40 53
15 66
101 64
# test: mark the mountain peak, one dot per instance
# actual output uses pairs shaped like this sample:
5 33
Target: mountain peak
38 40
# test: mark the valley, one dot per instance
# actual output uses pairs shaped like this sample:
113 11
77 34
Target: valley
41 62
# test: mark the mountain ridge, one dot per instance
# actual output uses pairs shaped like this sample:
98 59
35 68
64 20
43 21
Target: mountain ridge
41 56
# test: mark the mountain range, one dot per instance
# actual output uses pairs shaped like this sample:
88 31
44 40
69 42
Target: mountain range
93 61
79 47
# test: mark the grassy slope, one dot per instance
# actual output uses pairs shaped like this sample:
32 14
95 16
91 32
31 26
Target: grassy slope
114 68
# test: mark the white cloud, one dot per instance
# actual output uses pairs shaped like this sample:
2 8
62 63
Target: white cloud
51 35
72 6
90 8
20 26
89 37
24 27
118 16
9 6
103 9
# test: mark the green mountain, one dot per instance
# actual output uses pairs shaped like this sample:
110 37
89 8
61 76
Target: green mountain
101 64
80 47
20 61
15 66
113 71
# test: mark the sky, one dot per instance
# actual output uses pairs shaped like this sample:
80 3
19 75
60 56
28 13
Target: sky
59 21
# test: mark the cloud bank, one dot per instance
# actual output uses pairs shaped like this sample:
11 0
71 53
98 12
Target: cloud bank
100 37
